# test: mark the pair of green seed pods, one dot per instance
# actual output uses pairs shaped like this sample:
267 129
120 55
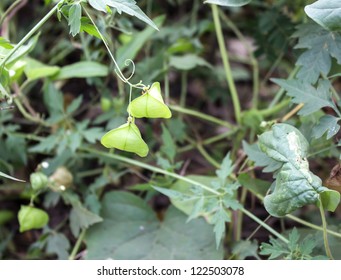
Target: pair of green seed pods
127 137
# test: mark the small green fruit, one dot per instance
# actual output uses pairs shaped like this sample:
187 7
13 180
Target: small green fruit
127 137
31 218
105 104
150 104
38 180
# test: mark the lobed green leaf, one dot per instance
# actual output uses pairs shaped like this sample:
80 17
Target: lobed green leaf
303 92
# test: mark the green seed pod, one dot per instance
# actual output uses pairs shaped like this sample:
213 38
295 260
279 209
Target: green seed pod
31 218
128 138
150 104
38 181
105 104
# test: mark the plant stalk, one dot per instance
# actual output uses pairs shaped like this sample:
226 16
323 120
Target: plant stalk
227 67
77 245
325 234
260 222
201 116
149 167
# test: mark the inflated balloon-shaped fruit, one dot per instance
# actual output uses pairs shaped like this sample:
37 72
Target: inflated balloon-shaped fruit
150 104
31 218
127 137
38 181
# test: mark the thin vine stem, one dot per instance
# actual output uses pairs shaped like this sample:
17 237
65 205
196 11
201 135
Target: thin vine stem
117 68
201 116
325 234
264 225
253 60
300 221
174 175
9 10
225 58
275 109
208 141
77 245
149 167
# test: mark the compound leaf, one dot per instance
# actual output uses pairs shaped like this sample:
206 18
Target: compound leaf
225 170
321 45
303 92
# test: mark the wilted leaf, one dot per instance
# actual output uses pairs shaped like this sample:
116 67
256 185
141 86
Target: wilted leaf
260 159
295 184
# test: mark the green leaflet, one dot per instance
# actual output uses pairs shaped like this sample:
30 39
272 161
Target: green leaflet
75 14
295 184
150 104
320 46
128 138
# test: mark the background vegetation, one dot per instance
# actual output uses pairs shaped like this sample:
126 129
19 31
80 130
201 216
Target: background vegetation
247 167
